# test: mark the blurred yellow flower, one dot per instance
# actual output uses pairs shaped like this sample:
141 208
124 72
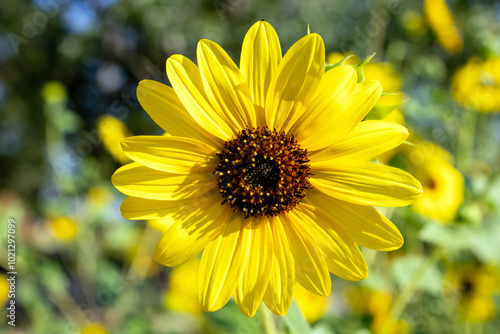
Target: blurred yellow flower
443 184
475 284
182 294
378 305
112 131
311 304
94 328
477 84
99 196
4 289
440 20
63 228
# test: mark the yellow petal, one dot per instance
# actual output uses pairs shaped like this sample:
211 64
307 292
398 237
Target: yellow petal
366 141
336 121
222 264
279 291
311 270
136 208
342 256
178 155
254 281
333 92
298 75
189 235
366 226
166 110
225 86
185 78
368 184
139 181
260 56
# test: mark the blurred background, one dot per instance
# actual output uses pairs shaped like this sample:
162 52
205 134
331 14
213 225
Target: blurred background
68 74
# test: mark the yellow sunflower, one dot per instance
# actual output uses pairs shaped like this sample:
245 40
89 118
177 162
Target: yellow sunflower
443 184
477 84
475 284
266 169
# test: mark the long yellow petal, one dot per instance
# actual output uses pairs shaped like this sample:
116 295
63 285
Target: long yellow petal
189 235
178 155
166 110
336 121
296 80
260 56
341 253
366 226
366 141
225 86
368 184
136 208
333 92
185 78
311 270
255 278
222 264
139 181
279 291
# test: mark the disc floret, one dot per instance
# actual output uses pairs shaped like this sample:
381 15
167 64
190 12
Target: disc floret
263 172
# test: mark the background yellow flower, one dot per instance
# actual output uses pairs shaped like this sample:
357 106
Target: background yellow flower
477 84
443 184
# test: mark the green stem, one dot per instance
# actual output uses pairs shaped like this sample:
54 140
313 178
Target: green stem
409 290
466 139
267 320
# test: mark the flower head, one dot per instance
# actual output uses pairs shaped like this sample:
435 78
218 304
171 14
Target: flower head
476 284
477 84
443 184
266 169
63 228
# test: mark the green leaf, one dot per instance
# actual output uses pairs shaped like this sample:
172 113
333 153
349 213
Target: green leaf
296 321
322 328
447 237
380 111
359 68
407 267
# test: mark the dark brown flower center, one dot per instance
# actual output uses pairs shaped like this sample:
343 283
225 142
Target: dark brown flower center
263 172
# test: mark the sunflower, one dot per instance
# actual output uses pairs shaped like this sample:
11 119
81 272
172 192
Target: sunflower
443 184
266 168
477 84
475 285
